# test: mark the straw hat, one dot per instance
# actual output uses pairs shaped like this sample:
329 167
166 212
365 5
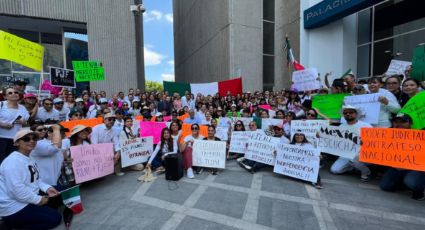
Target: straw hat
79 128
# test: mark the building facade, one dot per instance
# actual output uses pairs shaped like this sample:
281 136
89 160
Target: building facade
115 36
223 39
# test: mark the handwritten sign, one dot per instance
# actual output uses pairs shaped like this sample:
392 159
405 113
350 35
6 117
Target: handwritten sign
92 161
329 104
92 122
399 148
368 104
186 131
306 79
152 129
21 51
211 154
298 162
309 128
222 133
62 77
339 141
397 67
239 141
88 71
261 148
415 108
136 151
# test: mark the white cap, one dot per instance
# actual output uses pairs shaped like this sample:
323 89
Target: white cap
57 100
345 107
103 100
79 100
22 133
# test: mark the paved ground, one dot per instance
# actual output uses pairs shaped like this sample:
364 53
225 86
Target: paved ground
236 199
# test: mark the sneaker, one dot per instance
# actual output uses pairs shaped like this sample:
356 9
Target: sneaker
418 196
364 178
190 173
119 174
240 159
245 166
199 170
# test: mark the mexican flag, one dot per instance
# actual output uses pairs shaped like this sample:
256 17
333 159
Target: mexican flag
290 56
234 86
71 198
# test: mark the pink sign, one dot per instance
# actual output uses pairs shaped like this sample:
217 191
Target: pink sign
167 118
152 129
266 107
92 161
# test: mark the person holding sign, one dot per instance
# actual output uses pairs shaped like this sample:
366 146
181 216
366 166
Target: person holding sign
395 178
212 137
21 206
342 165
166 146
410 87
128 132
187 150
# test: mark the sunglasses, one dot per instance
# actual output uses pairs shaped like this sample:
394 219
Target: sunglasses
59 103
14 92
77 115
311 114
111 119
29 138
195 128
41 130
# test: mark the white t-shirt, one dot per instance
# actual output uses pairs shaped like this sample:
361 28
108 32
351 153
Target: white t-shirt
63 114
43 115
49 161
191 138
8 115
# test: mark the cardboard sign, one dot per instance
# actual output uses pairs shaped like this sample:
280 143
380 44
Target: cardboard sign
92 122
339 141
21 51
415 108
62 77
222 133
418 63
88 71
397 67
399 148
261 148
136 151
368 104
211 154
309 128
239 141
306 79
92 161
186 131
297 162
152 129
329 104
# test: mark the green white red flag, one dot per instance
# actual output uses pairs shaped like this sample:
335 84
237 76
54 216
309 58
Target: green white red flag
72 199
290 57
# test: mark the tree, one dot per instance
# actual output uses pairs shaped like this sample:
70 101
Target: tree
153 86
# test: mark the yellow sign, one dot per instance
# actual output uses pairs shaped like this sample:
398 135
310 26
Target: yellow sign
21 51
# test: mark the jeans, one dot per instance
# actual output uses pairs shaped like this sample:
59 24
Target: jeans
343 165
34 217
394 179
157 161
6 147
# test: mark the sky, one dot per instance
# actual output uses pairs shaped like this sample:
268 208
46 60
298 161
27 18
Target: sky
158 39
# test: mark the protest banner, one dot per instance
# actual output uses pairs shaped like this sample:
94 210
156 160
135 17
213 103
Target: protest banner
309 128
152 129
418 63
41 94
239 141
268 123
88 71
306 79
210 154
368 104
92 122
415 108
339 141
397 67
77 65
135 151
62 77
261 148
186 131
222 133
297 162
329 104
245 121
92 161
21 51
399 148
33 79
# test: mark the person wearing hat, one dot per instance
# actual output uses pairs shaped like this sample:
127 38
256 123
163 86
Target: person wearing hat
342 165
12 117
80 135
63 112
21 206
30 103
104 133
46 112
395 178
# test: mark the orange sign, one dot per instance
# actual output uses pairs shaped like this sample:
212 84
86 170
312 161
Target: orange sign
87 122
186 131
399 148
184 116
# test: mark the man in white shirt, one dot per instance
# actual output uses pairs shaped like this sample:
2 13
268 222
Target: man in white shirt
343 165
63 112
46 112
93 110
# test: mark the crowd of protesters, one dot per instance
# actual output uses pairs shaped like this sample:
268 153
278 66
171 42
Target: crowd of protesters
34 151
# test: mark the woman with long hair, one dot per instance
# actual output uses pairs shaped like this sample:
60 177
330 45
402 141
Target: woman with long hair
166 146
175 130
129 132
211 137
80 135
186 149
410 87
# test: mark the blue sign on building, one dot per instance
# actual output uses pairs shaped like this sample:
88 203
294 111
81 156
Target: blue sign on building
328 11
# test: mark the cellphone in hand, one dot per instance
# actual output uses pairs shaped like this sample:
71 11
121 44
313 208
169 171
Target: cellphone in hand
18 118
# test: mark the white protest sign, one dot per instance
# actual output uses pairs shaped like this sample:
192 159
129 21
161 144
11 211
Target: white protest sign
222 133
268 123
136 151
298 162
210 154
261 148
339 141
309 128
239 141
368 104
397 67
245 121
306 79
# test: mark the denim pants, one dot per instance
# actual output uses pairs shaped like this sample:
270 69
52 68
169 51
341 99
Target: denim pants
34 217
394 179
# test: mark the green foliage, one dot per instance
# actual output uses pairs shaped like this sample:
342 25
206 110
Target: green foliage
153 86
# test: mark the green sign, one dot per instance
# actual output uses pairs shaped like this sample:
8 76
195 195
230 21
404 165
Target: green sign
88 71
329 104
415 108
84 64
418 63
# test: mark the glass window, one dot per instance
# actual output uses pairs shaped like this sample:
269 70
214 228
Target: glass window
5 67
364 26
363 61
268 37
268 69
268 10
29 35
